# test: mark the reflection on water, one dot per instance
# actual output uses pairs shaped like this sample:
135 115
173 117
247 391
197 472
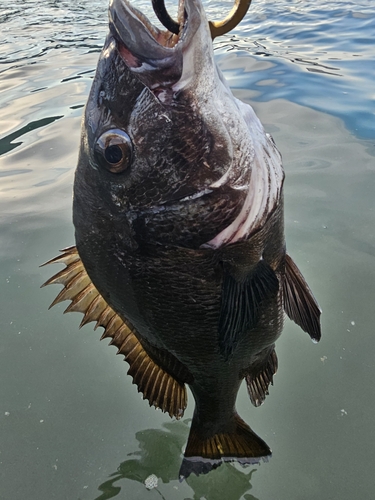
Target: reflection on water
153 444
225 482
317 54
7 143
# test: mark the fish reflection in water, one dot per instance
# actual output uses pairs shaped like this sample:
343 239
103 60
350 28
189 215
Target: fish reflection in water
180 251
167 443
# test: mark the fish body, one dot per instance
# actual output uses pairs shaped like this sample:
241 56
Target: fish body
178 213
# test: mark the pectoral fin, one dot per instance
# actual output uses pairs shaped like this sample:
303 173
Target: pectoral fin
299 302
241 300
158 386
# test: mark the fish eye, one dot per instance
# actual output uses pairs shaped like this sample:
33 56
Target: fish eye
113 150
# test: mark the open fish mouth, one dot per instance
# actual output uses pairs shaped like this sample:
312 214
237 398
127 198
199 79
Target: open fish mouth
138 33
155 55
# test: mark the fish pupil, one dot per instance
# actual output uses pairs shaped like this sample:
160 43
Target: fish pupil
113 154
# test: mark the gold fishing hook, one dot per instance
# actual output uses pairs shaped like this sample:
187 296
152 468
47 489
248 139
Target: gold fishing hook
234 17
217 28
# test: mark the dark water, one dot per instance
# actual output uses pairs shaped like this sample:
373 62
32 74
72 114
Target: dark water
72 426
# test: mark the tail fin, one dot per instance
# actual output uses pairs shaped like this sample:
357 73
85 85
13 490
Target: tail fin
239 444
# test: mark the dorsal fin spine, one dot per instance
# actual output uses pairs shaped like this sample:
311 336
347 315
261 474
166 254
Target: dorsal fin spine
123 347
157 385
105 317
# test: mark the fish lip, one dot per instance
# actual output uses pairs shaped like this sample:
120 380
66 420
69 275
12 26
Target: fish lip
140 43
123 12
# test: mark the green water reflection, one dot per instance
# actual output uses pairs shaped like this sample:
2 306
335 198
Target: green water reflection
225 482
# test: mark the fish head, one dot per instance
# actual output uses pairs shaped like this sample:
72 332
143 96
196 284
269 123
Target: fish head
161 128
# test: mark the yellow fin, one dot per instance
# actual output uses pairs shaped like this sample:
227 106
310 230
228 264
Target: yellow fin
81 302
206 450
68 256
157 386
94 310
72 288
65 275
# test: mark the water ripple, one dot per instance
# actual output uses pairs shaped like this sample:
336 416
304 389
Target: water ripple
314 53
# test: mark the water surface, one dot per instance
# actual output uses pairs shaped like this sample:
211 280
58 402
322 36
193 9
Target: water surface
72 426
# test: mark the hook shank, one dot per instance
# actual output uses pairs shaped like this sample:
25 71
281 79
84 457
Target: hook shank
217 28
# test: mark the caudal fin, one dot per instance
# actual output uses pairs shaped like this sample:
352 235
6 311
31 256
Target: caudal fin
239 444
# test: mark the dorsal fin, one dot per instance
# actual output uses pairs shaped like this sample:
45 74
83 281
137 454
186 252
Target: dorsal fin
299 302
157 386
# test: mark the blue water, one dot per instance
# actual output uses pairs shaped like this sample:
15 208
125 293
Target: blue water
322 57
72 426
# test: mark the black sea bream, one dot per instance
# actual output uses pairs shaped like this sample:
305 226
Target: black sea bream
178 213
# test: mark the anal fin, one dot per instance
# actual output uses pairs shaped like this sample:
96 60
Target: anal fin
158 386
257 386
299 302
241 300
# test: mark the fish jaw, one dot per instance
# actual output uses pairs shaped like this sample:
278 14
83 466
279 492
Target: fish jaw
164 62
140 45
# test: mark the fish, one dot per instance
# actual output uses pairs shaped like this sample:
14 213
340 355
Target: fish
180 252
